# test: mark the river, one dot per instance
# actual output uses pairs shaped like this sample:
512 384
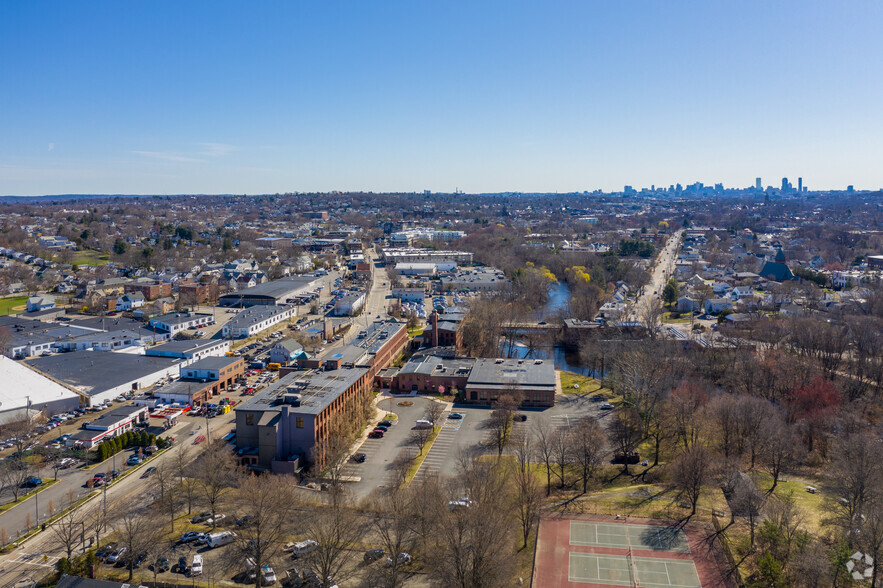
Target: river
559 296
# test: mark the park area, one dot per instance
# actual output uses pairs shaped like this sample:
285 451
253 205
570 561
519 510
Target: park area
12 305
603 551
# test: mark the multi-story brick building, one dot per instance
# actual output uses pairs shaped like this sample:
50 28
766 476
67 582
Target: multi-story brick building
151 289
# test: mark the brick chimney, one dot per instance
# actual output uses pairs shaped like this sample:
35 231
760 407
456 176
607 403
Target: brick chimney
434 329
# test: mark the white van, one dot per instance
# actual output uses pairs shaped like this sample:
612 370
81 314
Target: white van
423 424
303 548
196 566
222 538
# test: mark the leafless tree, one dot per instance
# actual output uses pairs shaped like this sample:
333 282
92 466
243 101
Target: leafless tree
69 530
165 481
523 447
435 412
499 425
858 476
528 500
561 454
213 474
14 472
626 431
182 466
394 524
587 441
336 528
136 530
745 500
779 447
689 472
544 434
265 505
684 407
419 438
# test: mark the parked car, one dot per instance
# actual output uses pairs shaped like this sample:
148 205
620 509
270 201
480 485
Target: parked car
117 555
403 559
189 536
455 416
161 565
196 565
268 575
373 555
32 482
606 406
201 517
105 550
303 547
182 565
386 423
360 457
375 435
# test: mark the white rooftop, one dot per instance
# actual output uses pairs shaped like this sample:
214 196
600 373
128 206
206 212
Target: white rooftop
28 385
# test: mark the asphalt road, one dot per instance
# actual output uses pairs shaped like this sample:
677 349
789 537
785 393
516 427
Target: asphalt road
663 268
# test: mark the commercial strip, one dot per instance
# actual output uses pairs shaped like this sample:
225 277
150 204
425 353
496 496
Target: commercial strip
277 292
109 425
201 380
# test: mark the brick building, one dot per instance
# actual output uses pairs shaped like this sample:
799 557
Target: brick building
151 289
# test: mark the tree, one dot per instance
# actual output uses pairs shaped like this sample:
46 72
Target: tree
214 473
336 529
14 472
543 434
69 531
689 472
165 481
136 530
587 442
528 500
420 437
181 461
626 432
778 449
266 504
120 247
434 412
499 424
561 454
670 292
395 525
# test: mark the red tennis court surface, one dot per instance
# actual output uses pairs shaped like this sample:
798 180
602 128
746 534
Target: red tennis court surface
591 551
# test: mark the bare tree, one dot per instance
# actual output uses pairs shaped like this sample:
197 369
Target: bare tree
14 472
587 442
523 447
779 447
689 472
136 530
500 423
394 524
561 454
435 412
165 481
544 435
213 473
419 438
265 506
528 500
69 531
182 467
626 432
336 528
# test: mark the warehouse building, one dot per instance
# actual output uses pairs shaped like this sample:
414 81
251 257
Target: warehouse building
32 393
252 321
201 380
277 292
107 426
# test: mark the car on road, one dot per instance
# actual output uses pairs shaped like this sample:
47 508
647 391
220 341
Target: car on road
147 473
360 457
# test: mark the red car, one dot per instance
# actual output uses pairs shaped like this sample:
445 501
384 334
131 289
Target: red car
375 435
199 440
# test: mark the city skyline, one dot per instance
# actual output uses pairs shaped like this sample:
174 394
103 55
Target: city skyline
393 97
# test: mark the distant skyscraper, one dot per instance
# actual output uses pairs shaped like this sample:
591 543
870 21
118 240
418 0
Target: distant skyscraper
800 185
757 184
784 184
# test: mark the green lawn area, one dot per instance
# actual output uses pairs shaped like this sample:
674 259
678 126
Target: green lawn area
414 331
90 257
412 471
9 305
815 506
666 318
586 384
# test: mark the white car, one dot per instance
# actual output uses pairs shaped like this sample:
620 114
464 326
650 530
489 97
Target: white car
268 576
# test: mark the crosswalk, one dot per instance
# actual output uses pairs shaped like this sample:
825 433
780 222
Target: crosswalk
35 559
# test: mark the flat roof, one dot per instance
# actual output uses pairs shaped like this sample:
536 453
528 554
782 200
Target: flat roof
186 346
116 415
429 364
519 372
177 318
93 372
255 314
183 387
277 289
29 385
213 363
316 388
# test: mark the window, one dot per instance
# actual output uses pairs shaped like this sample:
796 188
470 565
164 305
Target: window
299 422
249 419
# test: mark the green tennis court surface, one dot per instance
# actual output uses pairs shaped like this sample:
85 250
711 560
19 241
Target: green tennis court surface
625 536
617 570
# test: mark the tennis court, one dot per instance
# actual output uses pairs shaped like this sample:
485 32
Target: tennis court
647 537
598 551
617 570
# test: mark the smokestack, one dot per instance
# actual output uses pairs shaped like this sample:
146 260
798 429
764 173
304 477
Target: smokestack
435 329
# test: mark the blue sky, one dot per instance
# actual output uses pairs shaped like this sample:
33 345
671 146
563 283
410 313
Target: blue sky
255 97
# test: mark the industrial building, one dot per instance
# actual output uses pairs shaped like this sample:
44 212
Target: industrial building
31 393
285 426
277 292
107 426
252 321
201 380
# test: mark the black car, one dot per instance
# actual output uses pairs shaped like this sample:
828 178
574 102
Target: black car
105 550
161 565
385 423
373 555
521 417
182 565
360 457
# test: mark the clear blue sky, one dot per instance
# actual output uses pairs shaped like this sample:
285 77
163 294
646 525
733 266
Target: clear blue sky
252 97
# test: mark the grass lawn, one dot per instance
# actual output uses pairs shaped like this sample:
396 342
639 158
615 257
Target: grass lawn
587 385
666 318
90 257
815 506
414 331
12 304
24 497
